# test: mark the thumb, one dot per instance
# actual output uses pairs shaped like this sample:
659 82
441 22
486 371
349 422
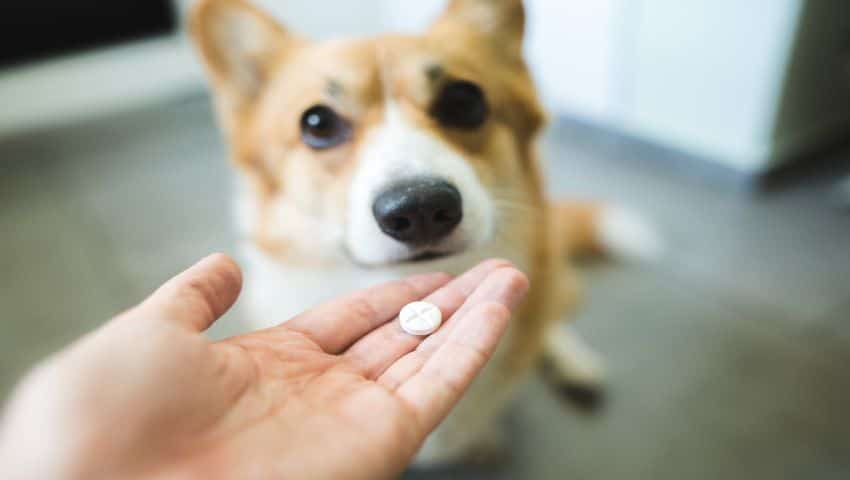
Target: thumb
197 297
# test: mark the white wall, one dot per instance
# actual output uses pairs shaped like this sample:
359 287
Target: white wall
326 18
410 16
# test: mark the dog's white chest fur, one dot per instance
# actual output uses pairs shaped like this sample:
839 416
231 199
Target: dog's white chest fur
274 293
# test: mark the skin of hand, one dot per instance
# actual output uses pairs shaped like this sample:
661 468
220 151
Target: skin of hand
339 391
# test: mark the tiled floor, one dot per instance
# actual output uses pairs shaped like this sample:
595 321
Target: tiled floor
728 358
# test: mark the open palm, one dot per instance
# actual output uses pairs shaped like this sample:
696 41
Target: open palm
337 392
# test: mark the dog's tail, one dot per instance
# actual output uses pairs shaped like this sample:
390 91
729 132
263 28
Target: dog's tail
590 229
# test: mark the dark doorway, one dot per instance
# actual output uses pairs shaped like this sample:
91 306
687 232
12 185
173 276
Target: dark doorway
37 29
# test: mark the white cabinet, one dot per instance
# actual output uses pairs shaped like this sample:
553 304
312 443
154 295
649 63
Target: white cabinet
707 76
747 84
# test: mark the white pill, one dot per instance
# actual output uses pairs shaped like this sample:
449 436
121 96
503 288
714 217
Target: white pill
420 318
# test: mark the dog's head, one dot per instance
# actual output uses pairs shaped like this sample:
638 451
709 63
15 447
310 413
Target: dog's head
385 150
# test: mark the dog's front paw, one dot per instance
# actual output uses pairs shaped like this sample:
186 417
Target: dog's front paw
587 397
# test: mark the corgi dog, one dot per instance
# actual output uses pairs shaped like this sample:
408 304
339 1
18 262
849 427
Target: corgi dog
365 160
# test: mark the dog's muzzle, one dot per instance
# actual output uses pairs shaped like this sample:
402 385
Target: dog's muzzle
420 211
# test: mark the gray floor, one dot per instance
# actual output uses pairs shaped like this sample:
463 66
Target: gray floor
728 358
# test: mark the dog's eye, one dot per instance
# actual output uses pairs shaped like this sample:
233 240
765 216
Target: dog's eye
322 128
461 104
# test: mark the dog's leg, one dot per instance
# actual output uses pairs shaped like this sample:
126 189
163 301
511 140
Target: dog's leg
573 367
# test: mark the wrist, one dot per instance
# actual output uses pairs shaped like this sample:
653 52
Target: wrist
36 439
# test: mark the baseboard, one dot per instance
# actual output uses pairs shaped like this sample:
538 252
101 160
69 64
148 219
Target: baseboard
654 154
805 164
106 81
828 160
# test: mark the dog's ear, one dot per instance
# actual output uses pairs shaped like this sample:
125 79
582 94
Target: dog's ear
499 22
240 46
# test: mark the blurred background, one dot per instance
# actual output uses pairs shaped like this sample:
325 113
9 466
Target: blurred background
727 122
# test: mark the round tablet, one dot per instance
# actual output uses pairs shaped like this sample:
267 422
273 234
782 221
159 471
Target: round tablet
420 318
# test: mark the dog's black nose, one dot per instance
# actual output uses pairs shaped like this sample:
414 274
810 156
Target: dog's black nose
419 211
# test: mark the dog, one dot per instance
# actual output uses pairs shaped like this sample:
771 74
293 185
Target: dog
366 160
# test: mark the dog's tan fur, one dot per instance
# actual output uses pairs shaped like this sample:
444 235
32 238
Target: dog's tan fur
265 76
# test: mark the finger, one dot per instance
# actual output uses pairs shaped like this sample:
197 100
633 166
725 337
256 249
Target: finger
439 385
338 324
505 286
380 349
197 297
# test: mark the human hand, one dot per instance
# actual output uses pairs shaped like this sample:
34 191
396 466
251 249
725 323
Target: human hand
339 391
